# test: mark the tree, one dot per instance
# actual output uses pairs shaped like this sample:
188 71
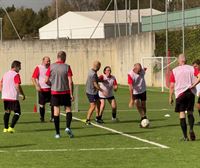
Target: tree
63 7
24 21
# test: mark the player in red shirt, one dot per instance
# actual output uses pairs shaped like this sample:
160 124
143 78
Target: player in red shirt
44 90
137 89
182 82
11 89
59 75
196 64
109 84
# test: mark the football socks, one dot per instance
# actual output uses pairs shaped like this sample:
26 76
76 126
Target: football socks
6 119
183 126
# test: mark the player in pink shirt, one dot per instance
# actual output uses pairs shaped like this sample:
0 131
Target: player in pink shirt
44 90
108 84
137 89
11 89
196 64
182 79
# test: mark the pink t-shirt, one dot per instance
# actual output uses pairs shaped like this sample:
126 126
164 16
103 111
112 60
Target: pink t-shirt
183 76
40 74
9 81
137 81
107 85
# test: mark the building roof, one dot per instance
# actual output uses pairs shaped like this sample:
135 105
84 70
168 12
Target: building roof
110 15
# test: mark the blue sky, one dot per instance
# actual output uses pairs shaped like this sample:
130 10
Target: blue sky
34 4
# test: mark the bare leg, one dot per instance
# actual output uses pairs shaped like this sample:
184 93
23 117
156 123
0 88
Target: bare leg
97 108
114 107
139 108
91 110
143 106
102 106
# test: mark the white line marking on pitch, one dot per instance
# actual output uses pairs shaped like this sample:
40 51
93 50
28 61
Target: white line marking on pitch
163 109
151 90
86 149
124 134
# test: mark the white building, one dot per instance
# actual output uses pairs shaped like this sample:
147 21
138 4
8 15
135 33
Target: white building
81 25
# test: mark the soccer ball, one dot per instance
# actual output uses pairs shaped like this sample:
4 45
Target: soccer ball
145 123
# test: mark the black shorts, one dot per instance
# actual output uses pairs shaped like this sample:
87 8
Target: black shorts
107 98
92 98
141 96
61 100
198 101
185 102
12 106
44 97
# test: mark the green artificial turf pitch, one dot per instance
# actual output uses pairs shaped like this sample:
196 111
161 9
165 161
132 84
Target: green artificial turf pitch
33 144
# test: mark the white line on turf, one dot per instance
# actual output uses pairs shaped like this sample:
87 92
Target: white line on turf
124 134
148 89
86 149
164 109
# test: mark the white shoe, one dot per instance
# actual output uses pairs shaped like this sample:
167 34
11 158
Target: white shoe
57 136
115 119
69 132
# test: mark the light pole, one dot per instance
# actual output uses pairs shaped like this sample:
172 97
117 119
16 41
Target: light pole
57 19
138 7
183 26
1 29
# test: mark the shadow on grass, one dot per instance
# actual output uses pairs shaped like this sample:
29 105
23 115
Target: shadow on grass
37 122
16 146
47 129
133 121
162 126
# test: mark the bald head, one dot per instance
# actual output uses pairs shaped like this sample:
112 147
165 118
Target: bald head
181 59
96 65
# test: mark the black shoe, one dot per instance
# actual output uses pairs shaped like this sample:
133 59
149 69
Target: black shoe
99 121
42 120
87 122
192 136
184 139
51 120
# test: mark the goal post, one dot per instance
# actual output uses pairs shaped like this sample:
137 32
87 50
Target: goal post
158 70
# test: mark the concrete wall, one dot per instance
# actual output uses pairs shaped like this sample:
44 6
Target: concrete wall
120 54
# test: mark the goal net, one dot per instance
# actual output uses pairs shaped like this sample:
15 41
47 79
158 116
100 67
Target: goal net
158 70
